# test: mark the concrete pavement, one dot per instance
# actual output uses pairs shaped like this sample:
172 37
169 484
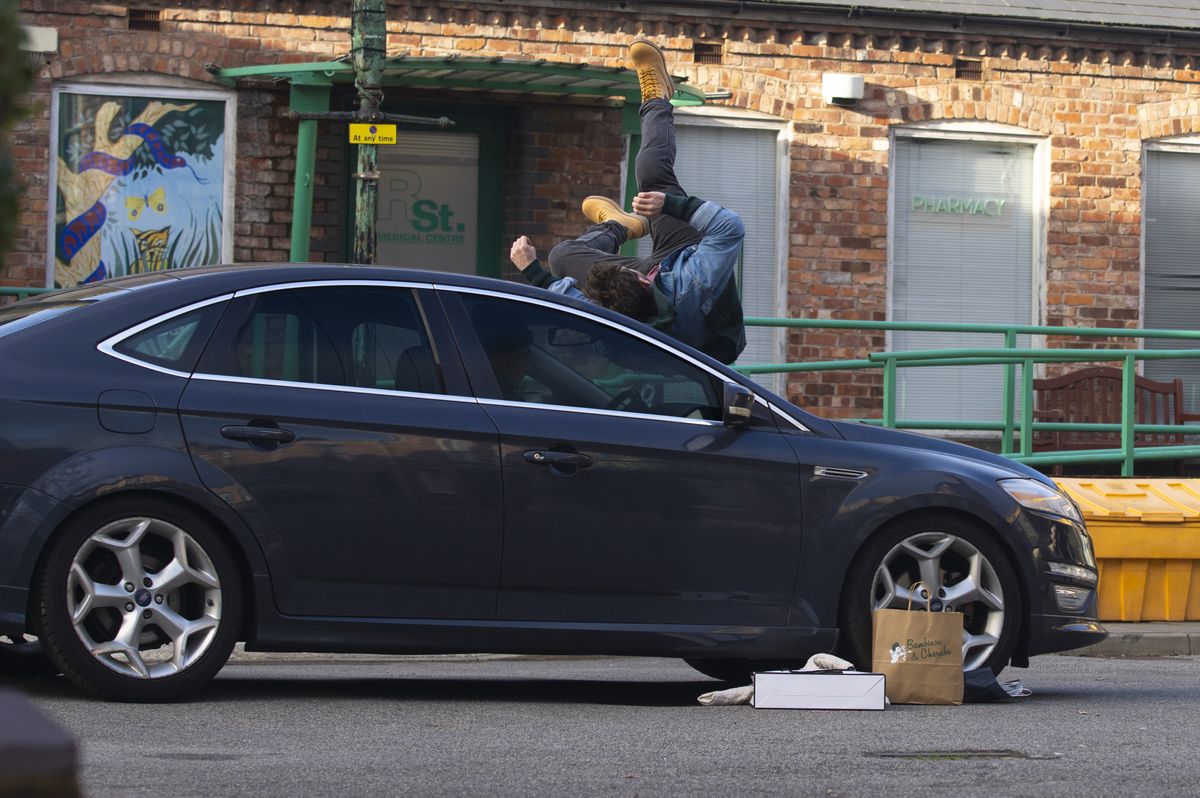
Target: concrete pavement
1146 639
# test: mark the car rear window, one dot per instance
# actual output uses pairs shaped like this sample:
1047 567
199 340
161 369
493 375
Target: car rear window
23 315
173 343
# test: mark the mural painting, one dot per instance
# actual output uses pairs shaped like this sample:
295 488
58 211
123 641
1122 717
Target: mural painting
140 185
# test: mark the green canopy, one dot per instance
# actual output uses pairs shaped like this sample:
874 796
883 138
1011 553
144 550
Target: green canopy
463 77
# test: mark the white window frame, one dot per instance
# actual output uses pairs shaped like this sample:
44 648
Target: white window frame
158 87
1189 145
981 132
720 116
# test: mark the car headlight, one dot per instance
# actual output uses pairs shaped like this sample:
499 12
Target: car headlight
1034 495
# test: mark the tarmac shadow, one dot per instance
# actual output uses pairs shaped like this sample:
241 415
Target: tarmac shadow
464 690
236 688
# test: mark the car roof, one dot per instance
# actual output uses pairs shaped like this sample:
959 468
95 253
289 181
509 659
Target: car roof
251 275
228 278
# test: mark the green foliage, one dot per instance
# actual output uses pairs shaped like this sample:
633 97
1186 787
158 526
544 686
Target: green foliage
190 133
15 77
197 245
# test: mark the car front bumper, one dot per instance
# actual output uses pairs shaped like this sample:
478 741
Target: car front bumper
1051 633
1063 607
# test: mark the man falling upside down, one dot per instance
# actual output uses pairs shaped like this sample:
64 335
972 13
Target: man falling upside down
686 288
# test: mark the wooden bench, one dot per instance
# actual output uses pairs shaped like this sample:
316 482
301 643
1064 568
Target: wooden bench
1093 395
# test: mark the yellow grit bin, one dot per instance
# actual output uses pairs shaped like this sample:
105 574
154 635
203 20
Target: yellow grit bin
1147 539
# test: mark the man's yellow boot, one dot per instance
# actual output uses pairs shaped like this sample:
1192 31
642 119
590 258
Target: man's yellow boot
647 60
602 209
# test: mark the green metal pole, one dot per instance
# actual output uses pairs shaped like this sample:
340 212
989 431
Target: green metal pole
305 98
369 50
1128 401
889 393
1010 389
631 123
1027 408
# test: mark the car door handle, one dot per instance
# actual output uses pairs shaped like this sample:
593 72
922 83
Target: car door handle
539 457
270 434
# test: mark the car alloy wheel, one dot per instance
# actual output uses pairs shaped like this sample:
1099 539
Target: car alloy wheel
142 605
964 570
168 600
956 577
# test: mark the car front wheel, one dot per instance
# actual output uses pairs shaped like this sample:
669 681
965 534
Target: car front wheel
139 600
963 569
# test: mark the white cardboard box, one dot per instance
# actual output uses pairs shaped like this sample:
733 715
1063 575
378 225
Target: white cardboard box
818 690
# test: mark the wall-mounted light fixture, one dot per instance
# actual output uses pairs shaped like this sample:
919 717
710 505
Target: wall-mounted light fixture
843 90
38 43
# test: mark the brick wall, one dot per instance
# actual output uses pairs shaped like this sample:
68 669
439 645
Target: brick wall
557 156
1096 100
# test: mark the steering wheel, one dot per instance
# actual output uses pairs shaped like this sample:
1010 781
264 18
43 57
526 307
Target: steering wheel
628 399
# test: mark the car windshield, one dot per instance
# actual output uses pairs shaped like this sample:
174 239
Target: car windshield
26 314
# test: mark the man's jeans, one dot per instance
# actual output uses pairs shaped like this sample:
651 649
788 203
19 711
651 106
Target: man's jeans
655 171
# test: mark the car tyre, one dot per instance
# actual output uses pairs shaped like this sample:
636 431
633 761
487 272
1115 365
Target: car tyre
139 600
965 563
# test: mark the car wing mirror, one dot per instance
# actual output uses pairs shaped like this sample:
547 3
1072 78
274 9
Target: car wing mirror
736 406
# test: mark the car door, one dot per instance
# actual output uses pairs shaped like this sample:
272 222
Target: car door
334 418
627 500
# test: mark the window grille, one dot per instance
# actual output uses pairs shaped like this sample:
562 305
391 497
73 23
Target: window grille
968 69
708 52
145 19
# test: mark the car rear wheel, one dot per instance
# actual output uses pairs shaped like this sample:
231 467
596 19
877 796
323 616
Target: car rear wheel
139 601
21 656
964 570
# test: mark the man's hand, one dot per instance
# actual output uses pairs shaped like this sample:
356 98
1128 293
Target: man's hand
648 203
522 253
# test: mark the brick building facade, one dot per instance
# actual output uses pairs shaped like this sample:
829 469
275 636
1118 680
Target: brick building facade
1081 105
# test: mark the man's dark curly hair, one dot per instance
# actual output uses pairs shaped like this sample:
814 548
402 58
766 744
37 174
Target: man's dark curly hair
616 288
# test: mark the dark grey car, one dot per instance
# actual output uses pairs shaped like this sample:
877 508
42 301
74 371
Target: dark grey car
324 458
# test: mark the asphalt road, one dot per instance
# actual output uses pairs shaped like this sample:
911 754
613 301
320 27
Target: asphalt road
1103 727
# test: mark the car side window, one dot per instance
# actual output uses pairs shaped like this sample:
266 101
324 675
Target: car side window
547 356
354 336
174 343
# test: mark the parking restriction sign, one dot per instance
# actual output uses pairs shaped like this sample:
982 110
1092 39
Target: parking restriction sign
362 133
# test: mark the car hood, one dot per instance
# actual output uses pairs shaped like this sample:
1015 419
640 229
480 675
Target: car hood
865 433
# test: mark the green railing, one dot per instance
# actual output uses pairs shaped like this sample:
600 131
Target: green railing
1011 356
22 291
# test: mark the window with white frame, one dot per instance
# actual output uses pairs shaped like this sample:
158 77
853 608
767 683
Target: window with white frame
143 179
1172 267
964 246
737 160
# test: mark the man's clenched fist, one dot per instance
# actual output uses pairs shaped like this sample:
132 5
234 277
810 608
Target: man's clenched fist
522 253
648 203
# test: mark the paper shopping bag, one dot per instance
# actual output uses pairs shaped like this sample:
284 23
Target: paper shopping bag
920 652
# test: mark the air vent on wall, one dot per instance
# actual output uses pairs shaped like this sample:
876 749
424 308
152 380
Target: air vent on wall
145 19
707 52
968 69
